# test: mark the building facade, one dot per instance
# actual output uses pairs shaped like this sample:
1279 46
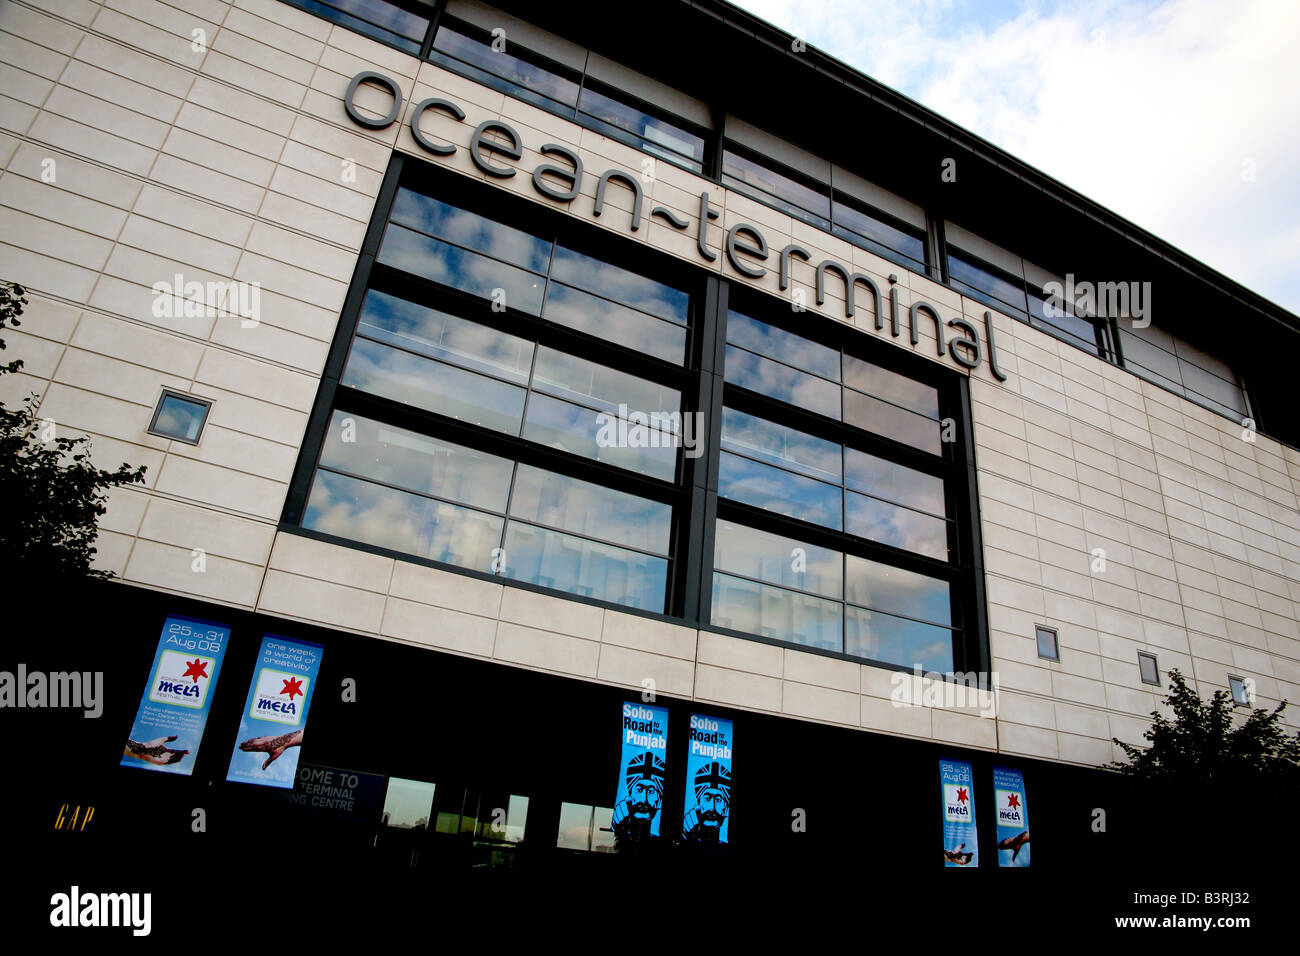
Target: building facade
533 364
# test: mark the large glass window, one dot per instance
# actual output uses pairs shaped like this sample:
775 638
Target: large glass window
513 401
810 440
475 386
571 89
402 24
1172 363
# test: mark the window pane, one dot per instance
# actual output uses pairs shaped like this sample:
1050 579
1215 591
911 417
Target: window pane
575 827
777 613
599 386
470 230
1047 647
780 445
809 204
408 804
891 421
894 640
592 510
440 388
892 482
857 225
581 431
650 130
385 22
181 418
450 265
892 387
782 382
1008 290
446 337
373 514
901 527
789 348
570 563
1077 330
885 588
778 560
416 462
615 323
621 285
774 489
508 66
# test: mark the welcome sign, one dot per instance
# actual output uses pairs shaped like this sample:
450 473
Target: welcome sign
173 711
960 843
1013 817
275 713
642 772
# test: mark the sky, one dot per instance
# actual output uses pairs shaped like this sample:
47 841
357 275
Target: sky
1182 116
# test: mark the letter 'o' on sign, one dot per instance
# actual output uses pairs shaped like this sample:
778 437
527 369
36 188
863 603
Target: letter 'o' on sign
389 83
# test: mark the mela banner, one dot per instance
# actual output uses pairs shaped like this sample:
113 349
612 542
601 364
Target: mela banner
708 780
173 710
642 772
270 732
1013 817
960 844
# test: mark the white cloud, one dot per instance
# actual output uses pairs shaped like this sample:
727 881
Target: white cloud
1160 112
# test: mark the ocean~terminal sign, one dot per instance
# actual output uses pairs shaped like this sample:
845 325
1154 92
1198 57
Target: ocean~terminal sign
745 247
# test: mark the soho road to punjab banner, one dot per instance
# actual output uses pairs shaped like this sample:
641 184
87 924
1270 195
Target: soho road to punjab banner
173 711
642 772
1013 817
270 732
960 844
708 780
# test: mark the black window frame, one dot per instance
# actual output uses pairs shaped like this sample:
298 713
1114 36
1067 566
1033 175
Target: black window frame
167 393
1155 666
701 381
1039 631
506 208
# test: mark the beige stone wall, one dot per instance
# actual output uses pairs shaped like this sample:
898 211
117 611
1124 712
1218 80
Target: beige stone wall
226 160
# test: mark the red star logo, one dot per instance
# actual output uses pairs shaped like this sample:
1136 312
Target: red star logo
196 668
1013 800
961 795
292 686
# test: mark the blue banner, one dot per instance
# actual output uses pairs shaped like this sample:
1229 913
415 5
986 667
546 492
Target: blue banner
960 844
270 732
708 780
173 711
1013 817
642 772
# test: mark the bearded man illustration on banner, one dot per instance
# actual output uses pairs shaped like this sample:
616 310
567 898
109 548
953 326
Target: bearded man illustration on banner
634 816
706 822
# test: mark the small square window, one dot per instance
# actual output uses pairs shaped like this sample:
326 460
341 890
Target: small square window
1047 646
1240 692
1149 669
180 417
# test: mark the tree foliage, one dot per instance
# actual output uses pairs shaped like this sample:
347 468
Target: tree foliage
51 493
1201 742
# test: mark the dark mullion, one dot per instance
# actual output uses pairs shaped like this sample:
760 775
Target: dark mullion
704 476
776 523
439 8
974 654
819 426
514 447
318 420
526 325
